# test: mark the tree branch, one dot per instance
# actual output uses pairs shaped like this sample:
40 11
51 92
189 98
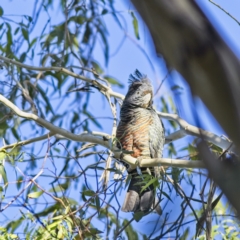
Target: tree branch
102 139
28 141
225 12
104 89
187 129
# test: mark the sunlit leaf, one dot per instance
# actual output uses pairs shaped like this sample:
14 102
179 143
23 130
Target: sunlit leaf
113 81
152 181
35 194
135 25
13 236
164 105
185 235
97 67
3 154
60 187
3 174
54 224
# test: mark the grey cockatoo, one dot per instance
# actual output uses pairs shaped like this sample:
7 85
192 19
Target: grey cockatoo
141 132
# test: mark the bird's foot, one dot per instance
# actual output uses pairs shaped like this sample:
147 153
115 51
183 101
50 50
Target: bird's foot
122 162
139 160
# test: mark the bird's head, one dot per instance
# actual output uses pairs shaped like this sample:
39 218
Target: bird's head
140 92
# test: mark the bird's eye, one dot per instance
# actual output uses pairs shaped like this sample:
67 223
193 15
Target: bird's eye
138 92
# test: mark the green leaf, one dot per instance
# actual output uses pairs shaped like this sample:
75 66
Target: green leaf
113 81
138 215
16 150
12 236
135 25
165 106
87 34
167 196
173 124
54 224
60 187
3 229
46 99
3 155
23 57
57 150
176 174
97 67
171 150
76 43
33 42
19 182
129 230
9 34
176 87
35 194
98 204
29 18
25 34
3 127
69 223
152 181
104 11
93 231
1 11
3 174
15 134
172 104
16 30
89 193
185 235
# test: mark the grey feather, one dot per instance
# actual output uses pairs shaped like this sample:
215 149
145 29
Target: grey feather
147 200
131 202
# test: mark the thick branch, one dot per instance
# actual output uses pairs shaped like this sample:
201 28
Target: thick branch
102 139
187 129
151 162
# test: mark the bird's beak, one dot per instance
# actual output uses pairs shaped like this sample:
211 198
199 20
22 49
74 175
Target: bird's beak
147 99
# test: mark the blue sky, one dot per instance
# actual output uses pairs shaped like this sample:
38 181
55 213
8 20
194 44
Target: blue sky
129 57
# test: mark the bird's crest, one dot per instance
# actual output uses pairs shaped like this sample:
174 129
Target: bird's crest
137 77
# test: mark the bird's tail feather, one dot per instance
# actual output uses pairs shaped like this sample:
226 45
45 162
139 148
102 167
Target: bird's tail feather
131 202
135 200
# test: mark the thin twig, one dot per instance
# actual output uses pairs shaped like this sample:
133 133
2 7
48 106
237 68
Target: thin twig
103 88
29 183
225 11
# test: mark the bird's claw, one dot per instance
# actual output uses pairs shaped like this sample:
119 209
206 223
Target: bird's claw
139 160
